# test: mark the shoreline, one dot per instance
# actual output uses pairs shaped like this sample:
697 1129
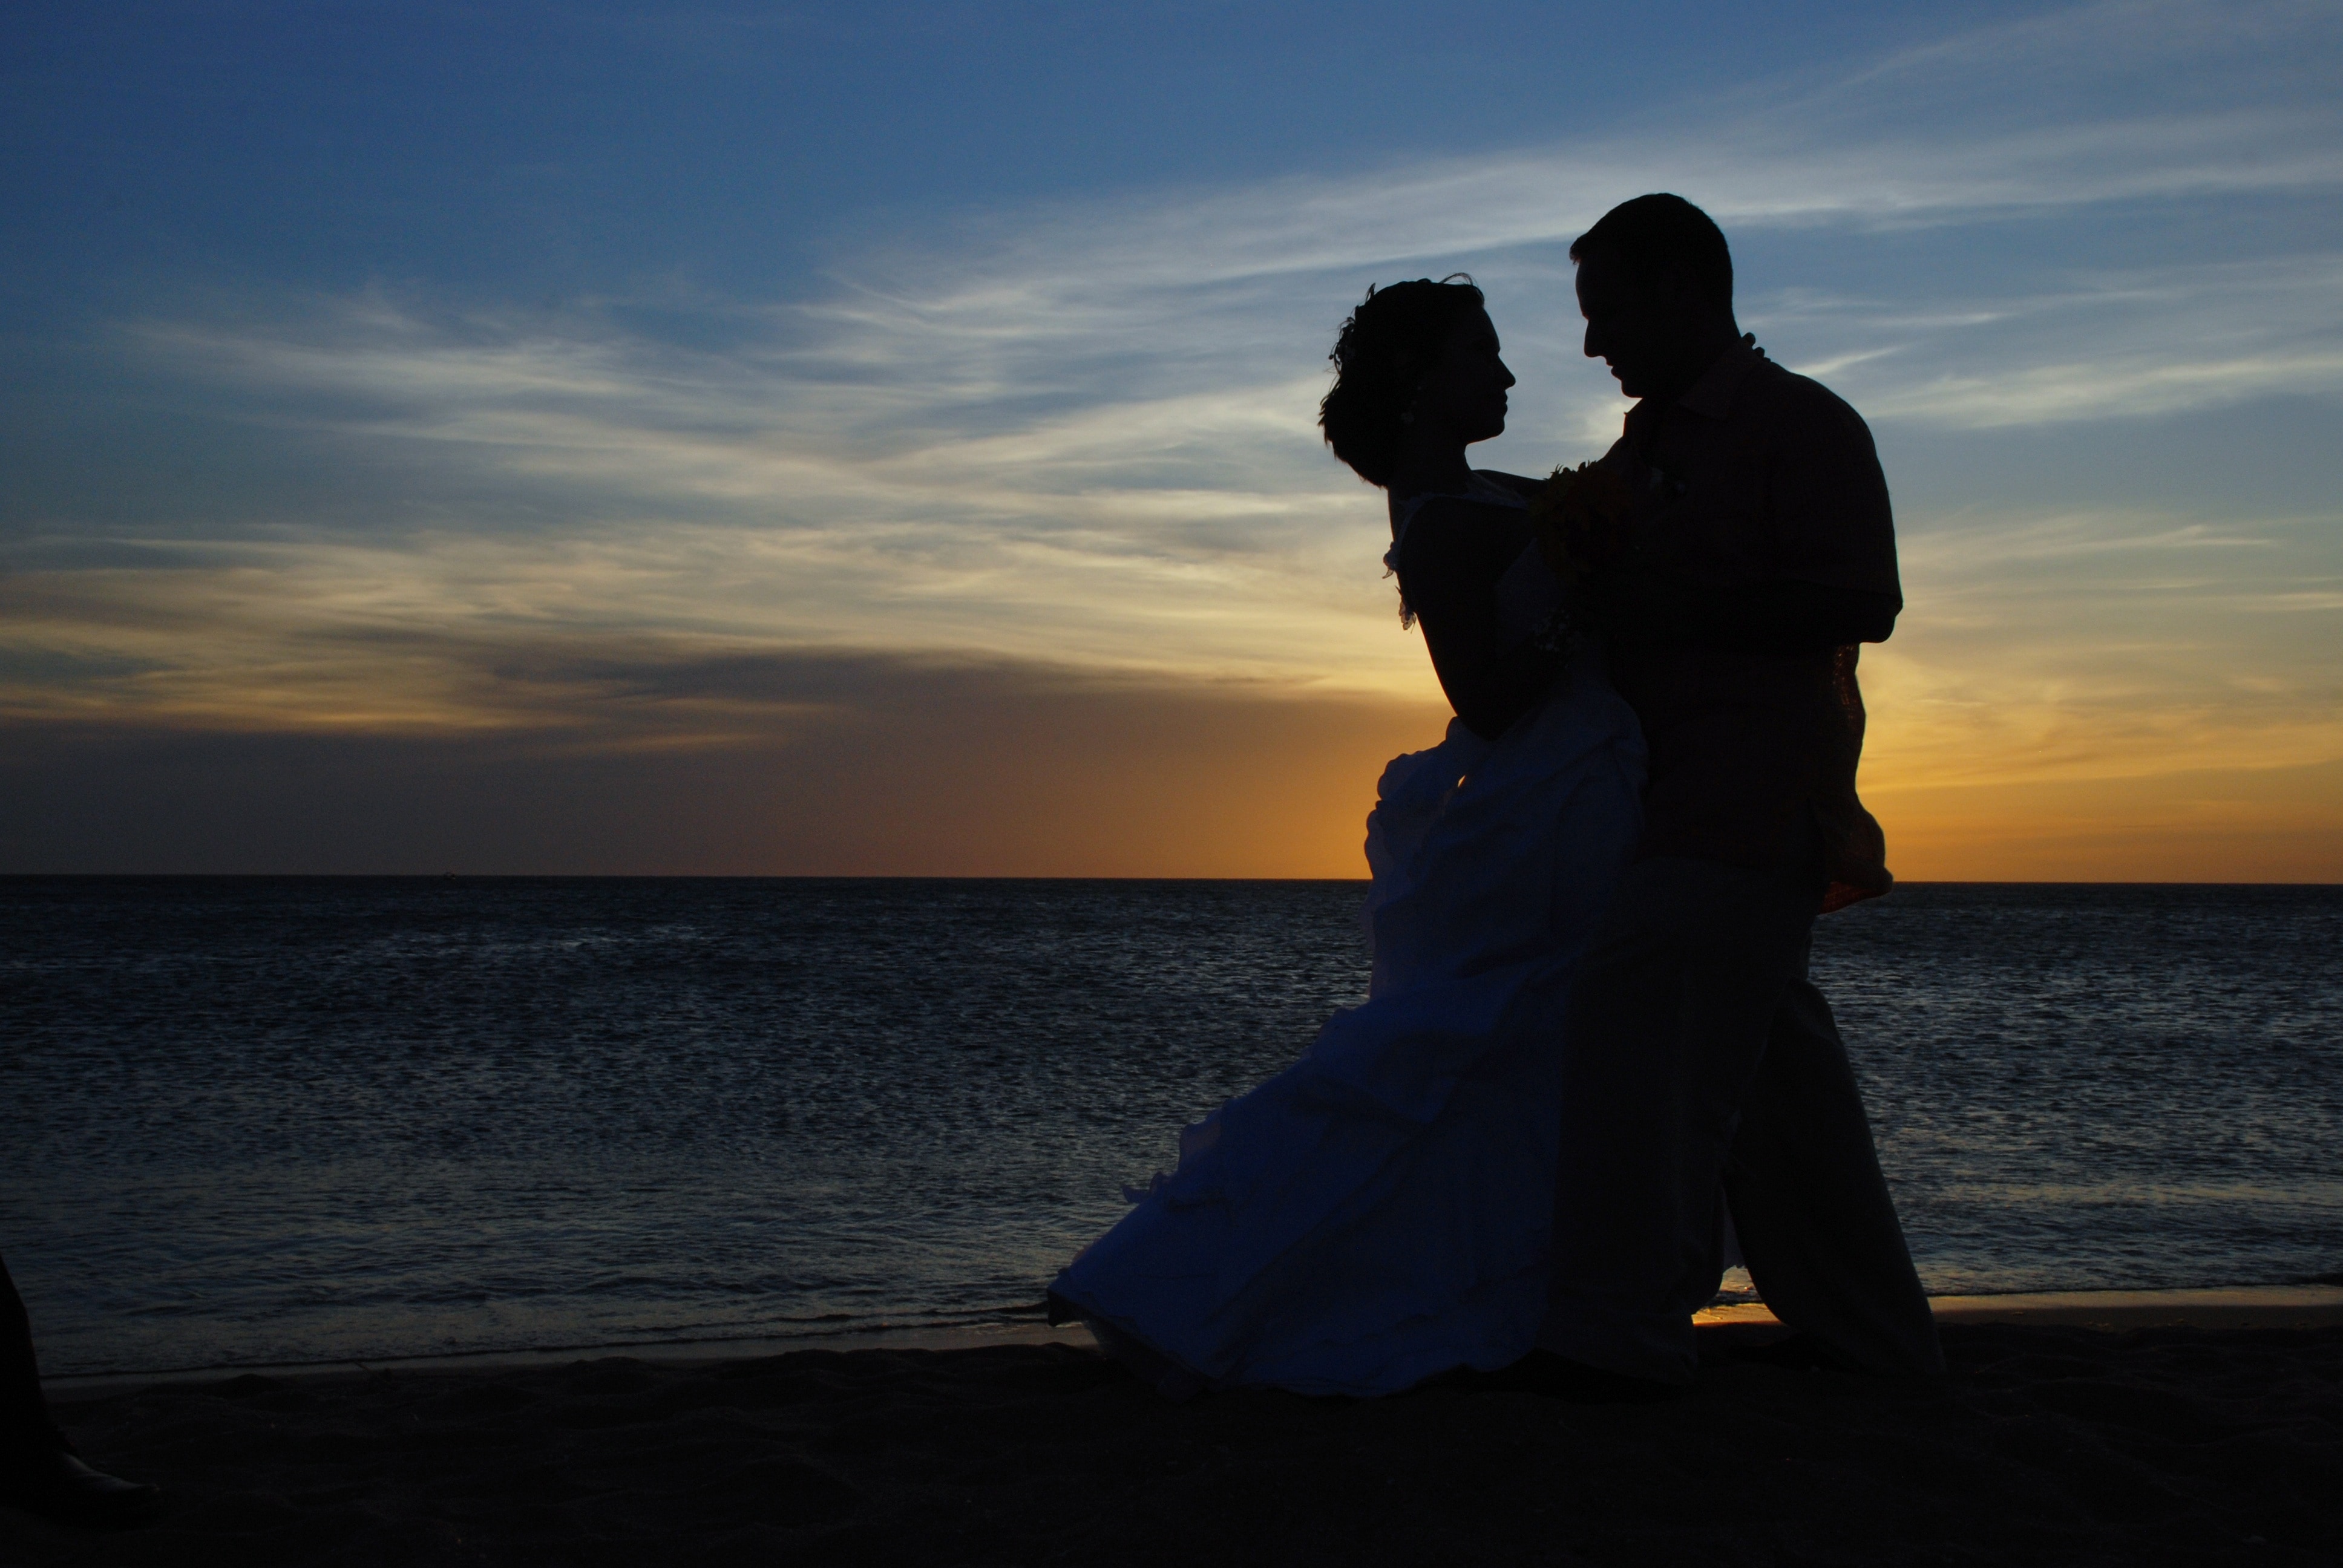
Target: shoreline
2052 1440
2304 1306
2297 1306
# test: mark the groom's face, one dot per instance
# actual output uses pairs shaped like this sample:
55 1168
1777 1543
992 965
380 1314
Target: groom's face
1639 329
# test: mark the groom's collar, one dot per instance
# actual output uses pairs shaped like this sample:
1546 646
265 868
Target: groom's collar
1711 396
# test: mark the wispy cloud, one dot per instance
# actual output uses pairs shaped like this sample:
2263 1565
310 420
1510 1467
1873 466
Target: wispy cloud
1081 434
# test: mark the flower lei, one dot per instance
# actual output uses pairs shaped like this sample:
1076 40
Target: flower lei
1580 520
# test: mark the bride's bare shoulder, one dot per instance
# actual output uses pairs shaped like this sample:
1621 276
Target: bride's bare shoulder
1457 530
1521 485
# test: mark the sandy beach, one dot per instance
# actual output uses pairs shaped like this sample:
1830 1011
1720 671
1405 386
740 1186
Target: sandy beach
2177 1430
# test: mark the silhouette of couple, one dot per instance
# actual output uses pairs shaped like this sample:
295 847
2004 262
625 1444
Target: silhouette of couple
1591 1072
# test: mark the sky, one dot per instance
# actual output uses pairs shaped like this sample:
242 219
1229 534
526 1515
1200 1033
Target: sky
879 439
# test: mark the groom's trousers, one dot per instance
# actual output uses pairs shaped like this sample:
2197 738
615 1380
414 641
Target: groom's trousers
1701 1059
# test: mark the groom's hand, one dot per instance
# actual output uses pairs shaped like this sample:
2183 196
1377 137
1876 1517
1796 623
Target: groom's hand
1632 602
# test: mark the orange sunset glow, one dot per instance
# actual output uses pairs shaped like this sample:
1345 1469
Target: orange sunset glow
1002 541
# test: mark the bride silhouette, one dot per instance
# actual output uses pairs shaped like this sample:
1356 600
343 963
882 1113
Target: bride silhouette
1379 1212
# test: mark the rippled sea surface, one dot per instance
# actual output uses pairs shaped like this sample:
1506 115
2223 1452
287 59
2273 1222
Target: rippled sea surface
254 1120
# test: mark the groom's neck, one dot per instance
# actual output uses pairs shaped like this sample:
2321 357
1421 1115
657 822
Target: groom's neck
1702 344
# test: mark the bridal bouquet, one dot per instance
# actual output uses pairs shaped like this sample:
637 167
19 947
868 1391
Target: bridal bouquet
1580 519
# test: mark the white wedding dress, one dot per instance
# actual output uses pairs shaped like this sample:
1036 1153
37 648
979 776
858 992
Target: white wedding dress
1378 1212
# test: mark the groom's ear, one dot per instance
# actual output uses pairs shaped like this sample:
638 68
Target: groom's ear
1675 288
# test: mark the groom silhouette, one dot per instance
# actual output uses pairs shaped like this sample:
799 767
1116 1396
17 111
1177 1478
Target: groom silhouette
1702 1059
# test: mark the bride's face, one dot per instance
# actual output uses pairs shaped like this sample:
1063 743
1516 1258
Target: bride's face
1463 395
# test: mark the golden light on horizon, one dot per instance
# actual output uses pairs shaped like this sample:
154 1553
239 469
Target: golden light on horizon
2030 758
1015 504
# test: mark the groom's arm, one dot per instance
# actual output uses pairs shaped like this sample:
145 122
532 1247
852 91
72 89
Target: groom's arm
1829 536
1783 616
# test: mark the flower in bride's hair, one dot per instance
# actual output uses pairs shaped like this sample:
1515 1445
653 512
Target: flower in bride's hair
1580 518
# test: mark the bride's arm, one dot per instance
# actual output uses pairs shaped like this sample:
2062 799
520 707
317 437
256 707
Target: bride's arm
1447 572
1521 485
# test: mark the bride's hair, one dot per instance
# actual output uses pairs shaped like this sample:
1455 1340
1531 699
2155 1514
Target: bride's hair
1383 351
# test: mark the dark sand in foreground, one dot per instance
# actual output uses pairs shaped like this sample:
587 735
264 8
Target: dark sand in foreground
2050 1444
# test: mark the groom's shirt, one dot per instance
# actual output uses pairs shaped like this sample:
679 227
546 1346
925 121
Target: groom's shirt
1755 476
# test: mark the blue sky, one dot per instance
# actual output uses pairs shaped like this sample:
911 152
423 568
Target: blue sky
880 437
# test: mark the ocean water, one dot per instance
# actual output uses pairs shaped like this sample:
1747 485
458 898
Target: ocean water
254 1120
